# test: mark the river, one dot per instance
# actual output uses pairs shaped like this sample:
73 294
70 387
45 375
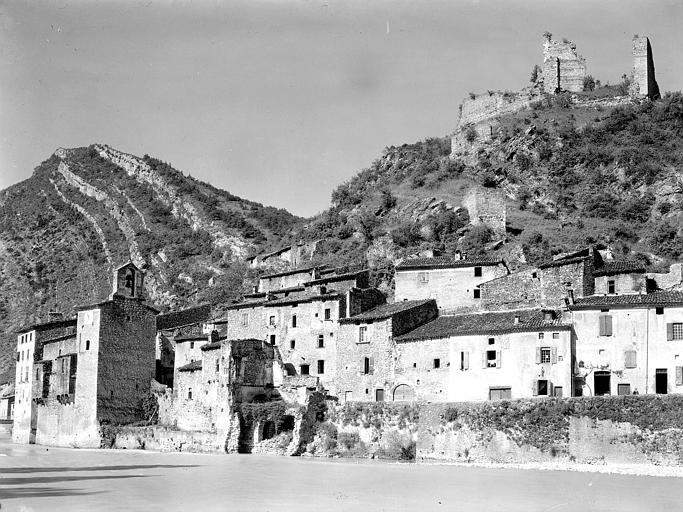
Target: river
35 478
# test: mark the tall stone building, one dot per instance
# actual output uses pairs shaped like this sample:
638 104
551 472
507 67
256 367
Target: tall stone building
643 82
76 375
563 68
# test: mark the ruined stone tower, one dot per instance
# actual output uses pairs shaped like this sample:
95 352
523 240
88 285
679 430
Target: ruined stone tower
643 82
563 68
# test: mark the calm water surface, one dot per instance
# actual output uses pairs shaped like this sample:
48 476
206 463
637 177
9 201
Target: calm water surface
54 479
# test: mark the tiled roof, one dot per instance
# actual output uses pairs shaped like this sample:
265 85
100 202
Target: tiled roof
184 317
386 311
620 267
563 261
48 325
214 344
445 262
663 298
289 272
246 304
485 323
191 367
336 277
309 296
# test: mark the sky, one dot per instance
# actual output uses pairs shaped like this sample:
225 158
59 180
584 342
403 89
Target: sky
281 101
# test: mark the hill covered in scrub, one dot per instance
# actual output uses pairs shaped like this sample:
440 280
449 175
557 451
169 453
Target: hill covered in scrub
573 175
87 210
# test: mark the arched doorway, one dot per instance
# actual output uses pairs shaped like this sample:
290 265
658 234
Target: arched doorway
404 393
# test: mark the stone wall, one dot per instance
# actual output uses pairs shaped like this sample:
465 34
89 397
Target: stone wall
489 105
556 280
643 82
486 206
672 280
634 429
563 68
514 291
623 283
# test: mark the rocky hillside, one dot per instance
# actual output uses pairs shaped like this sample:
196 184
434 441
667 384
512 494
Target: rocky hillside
575 171
86 210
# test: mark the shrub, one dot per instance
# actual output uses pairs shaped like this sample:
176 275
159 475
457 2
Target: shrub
470 134
588 83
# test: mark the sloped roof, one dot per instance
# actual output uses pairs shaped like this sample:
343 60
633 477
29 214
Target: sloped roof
309 296
485 323
289 272
184 317
191 367
662 298
446 262
611 268
48 325
336 277
386 311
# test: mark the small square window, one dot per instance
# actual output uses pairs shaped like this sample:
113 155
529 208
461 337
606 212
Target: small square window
556 335
423 277
414 365
477 271
541 335
271 320
477 294
305 369
659 311
437 363
492 341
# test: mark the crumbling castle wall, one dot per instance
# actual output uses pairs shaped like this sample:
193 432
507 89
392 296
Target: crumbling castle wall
563 68
643 82
486 206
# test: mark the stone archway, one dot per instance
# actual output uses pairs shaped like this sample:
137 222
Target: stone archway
404 393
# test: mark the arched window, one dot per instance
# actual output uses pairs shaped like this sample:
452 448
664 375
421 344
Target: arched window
404 393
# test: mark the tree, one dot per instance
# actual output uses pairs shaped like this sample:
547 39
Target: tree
534 73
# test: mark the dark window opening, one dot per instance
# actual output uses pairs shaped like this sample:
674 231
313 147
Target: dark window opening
661 381
268 430
366 365
189 393
601 383
192 344
611 286
87 344
292 344
287 423
328 314
543 387
272 339
379 395
659 311
492 341
437 363
305 369
477 271
321 367
477 294
293 320
321 341
491 358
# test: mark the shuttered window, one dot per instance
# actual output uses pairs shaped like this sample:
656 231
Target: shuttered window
605 323
674 331
464 360
630 359
679 375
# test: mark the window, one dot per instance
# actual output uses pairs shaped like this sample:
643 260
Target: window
321 341
492 341
623 389
661 381
189 393
541 335
379 395
87 344
674 331
556 335
293 320
362 334
491 359
321 366
477 271
477 294
500 393
422 277
272 339
271 320
557 391
611 286
437 363
245 319
218 365
543 387
305 369
367 365
192 344
659 311
605 325
630 359
464 360
328 313
545 355
292 344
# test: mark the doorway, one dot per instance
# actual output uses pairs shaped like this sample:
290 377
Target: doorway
601 383
661 381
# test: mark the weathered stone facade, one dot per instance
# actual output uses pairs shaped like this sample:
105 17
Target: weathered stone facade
486 206
563 68
643 83
454 284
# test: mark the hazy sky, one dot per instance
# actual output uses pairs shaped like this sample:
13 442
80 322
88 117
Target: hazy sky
280 101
